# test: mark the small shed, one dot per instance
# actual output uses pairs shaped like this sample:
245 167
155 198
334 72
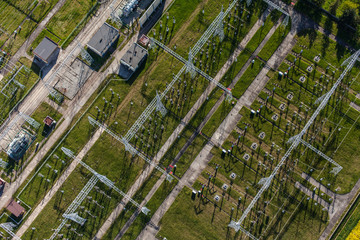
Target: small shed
103 39
15 208
49 121
132 59
46 52
144 40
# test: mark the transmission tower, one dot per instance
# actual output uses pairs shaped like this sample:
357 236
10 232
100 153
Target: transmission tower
199 44
30 120
106 181
8 227
190 65
272 4
220 27
286 21
75 217
160 106
180 58
85 55
335 170
75 204
130 148
295 142
3 164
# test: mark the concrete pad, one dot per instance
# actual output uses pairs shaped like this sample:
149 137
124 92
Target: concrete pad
73 79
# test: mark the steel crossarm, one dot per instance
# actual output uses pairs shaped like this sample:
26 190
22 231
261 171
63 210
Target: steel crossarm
15 120
111 184
337 169
276 7
199 44
183 60
9 231
30 120
295 142
103 179
12 80
130 147
77 201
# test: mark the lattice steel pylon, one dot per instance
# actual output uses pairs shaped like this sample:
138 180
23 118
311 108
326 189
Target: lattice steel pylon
30 120
337 167
75 217
295 142
199 44
190 65
220 27
8 227
180 58
272 4
130 148
286 21
106 181
77 201
160 106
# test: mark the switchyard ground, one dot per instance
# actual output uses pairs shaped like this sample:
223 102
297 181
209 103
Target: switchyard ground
128 108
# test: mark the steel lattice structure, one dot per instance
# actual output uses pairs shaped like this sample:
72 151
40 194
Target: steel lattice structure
76 203
75 217
30 120
8 227
295 142
199 44
180 58
130 148
105 180
270 3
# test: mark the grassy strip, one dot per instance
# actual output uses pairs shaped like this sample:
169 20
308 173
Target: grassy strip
76 138
263 31
247 78
274 41
217 118
67 22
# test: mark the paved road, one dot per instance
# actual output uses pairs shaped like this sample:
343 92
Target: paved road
58 183
22 50
175 134
219 137
312 195
40 93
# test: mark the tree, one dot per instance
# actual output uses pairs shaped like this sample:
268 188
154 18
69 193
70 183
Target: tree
349 15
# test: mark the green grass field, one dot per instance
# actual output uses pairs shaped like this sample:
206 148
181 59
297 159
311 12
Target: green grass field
16 15
67 22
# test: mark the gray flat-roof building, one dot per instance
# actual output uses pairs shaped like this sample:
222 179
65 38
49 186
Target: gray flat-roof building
131 61
46 52
103 39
